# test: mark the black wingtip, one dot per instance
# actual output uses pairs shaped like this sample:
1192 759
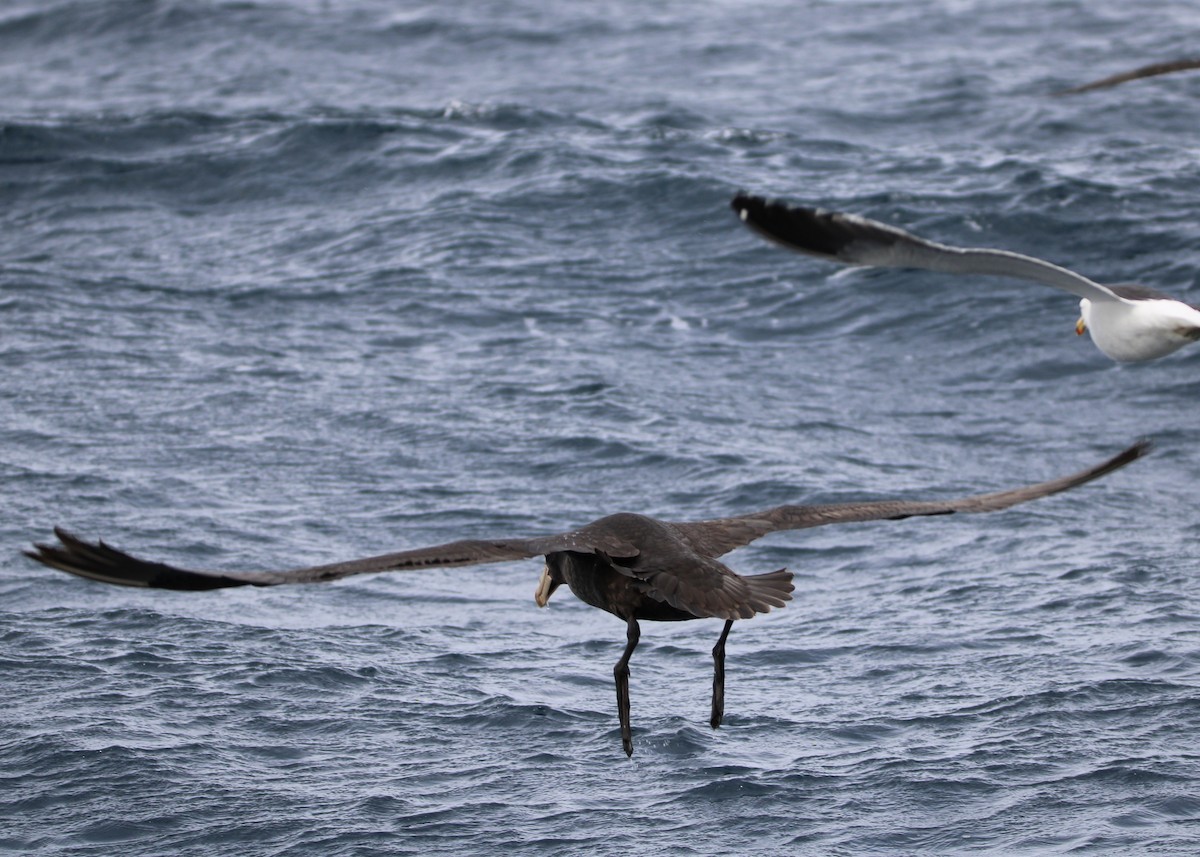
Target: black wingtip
1136 450
752 209
107 564
742 201
808 230
1140 448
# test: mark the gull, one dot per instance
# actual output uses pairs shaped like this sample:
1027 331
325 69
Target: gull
1129 323
632 566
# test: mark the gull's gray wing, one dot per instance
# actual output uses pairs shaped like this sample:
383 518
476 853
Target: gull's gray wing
854 240
717 537
100 562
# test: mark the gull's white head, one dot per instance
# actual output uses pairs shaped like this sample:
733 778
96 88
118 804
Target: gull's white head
1131 330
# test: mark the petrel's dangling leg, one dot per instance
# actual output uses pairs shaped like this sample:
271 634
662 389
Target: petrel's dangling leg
718 705
621 674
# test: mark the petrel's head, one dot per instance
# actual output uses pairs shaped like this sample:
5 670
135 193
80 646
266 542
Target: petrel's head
550 580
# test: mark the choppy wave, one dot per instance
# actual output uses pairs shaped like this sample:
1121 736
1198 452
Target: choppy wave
293 282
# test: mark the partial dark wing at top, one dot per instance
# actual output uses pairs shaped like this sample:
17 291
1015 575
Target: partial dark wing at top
101 562
717 537
854 240
1152 70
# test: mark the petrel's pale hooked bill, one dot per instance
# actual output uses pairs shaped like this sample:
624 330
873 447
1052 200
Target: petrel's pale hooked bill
632 566
1128 323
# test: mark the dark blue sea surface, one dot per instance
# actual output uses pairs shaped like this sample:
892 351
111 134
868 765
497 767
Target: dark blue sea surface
295 282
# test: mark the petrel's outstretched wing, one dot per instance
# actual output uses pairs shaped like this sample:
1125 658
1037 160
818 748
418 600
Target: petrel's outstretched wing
101 562
717 537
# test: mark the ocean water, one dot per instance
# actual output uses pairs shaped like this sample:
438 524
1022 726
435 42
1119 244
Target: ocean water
293 282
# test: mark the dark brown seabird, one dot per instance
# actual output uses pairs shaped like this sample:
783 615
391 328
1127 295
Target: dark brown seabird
632 566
